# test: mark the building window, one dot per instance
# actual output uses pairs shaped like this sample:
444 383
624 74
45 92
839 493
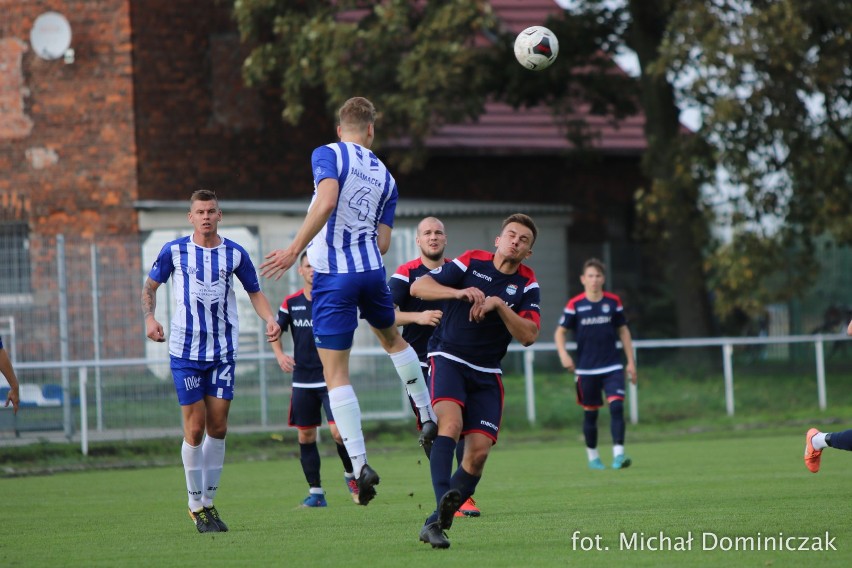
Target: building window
15 258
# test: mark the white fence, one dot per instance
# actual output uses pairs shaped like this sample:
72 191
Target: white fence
395 405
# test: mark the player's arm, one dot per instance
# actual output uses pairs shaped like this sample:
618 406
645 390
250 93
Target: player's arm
286 362
383 240
627 344
426 317
560 337
849 329
262 308
524 330
14 395
280 260
153 329
428 288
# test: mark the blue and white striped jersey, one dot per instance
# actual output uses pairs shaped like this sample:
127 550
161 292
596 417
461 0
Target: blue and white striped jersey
368 196
205 326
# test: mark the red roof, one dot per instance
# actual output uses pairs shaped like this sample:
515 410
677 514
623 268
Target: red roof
503 129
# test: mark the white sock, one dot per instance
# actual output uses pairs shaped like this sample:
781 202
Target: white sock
410 373
592 453
617 450
193 464
316 491
214 460
818 441
347 417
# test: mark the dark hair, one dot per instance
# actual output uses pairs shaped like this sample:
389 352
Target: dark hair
357 112
302 256
203 195
524 220
594 263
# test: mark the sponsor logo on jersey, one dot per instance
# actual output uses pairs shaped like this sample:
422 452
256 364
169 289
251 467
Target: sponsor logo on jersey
191 382
596 320
364 177
303 323
318 172
584 308
511 289
488 424
483 276
297 308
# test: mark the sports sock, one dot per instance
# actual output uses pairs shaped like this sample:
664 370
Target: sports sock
590 428
441 465
193 464
616 421
213 450
460 451
465 483
617 450
840 440
408 368
310 457
347 416
592 453
344 457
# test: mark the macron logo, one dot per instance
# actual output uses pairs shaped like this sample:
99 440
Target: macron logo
483 276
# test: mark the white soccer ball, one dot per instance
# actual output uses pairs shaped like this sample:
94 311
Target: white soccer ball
536 48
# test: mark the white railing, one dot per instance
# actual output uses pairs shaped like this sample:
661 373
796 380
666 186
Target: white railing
726 345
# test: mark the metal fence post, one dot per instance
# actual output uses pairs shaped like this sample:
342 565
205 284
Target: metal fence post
63 335
529 380
820 363
728 352
96 337
84 412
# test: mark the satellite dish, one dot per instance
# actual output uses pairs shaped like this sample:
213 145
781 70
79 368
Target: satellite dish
50 36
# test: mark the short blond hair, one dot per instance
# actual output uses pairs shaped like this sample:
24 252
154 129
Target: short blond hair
357 113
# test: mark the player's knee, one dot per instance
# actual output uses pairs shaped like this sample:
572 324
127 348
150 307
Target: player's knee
308 436
616 407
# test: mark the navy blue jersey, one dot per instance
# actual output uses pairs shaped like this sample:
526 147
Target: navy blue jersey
400 286
482 345
296 314
595 326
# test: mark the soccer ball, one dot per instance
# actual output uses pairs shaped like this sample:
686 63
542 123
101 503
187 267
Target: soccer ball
536 48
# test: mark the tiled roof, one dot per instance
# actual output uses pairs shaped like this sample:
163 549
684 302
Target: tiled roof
503 129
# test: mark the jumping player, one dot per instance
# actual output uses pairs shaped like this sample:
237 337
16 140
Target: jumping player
597 319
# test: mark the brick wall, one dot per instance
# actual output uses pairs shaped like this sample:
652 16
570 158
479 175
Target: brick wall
197 125
67 137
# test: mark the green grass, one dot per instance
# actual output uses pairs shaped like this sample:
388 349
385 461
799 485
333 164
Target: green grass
534 496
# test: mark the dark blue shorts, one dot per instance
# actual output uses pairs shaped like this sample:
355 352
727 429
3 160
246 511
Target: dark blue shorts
196 379
338 297
479 394
591 387
306 406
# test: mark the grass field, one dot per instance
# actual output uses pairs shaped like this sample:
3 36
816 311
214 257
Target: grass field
534 496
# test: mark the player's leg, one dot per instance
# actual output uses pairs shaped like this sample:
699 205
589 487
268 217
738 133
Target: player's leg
305 415
335 300
816 442
589 397
219 391
348 474
190 393
469 507
613 384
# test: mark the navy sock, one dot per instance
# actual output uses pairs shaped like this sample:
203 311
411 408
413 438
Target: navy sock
616 425
344 457
310 459
441 466
590 428
460 452
840 440
465 483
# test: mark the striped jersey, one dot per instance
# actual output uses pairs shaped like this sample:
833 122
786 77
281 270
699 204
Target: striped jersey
595 326
400 286
367 197
205 326
296 313
482 345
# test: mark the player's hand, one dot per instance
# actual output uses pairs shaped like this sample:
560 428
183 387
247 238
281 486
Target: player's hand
630 369
478 311
429 317
277 263
153 330
286 363
473 295
273 331
567 362
14 398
